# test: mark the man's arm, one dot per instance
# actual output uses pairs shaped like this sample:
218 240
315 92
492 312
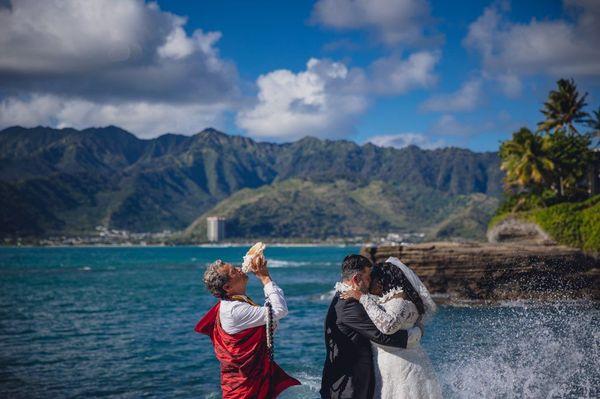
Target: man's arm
275 295
272 292
243 315
355 317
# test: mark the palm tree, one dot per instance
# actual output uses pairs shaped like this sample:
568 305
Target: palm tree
563 109
571 157
525 161
593 122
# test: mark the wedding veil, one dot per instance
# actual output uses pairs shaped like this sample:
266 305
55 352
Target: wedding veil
430 306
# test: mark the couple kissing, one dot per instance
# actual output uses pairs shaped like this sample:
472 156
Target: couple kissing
372 332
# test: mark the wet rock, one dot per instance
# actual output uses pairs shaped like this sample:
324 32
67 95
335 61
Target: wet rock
498 271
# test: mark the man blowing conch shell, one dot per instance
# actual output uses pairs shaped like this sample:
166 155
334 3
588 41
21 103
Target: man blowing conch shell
237 328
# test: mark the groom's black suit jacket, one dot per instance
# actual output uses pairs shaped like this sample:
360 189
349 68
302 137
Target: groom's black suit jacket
348 369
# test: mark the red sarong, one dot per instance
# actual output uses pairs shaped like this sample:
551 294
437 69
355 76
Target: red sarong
246 368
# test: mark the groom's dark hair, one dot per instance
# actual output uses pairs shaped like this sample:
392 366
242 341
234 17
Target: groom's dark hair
354 264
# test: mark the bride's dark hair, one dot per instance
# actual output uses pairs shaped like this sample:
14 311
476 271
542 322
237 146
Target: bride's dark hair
391 277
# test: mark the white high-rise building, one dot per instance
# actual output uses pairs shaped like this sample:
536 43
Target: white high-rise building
215 228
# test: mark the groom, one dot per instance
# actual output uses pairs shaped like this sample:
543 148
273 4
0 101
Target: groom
348 370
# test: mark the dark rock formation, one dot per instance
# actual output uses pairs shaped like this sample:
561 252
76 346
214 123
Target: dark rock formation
497 272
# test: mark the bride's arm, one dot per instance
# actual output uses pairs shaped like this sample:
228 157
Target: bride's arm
389 318
375 332
387 323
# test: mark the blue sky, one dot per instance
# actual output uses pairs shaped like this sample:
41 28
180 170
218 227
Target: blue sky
394 72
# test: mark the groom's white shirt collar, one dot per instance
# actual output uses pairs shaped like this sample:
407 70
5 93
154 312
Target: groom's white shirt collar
341 287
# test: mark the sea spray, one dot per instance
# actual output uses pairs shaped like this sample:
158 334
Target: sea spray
126 327
526 351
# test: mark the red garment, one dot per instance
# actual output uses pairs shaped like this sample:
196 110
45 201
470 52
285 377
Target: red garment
246 369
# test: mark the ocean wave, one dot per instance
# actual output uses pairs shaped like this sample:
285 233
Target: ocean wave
548 355
277 263
509 303
312 382
537 303
327 296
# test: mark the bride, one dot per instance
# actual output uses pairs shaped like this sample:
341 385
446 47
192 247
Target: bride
399 301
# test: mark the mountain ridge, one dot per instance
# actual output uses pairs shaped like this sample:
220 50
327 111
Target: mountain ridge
57 181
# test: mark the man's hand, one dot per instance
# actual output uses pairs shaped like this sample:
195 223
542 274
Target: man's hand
351 294
259 267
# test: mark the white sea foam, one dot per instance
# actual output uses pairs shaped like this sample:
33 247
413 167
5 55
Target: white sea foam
541 353
276 263
313 382
327 296
221 245
309 388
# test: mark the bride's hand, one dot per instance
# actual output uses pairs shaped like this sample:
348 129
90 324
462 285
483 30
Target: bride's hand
351 294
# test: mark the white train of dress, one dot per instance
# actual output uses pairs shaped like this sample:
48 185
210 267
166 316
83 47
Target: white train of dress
399 373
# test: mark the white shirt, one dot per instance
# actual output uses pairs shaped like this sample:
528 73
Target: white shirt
237 316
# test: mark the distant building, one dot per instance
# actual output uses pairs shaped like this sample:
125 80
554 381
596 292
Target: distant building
215 228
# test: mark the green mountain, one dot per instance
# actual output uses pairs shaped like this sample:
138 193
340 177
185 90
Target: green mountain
67 181
304 209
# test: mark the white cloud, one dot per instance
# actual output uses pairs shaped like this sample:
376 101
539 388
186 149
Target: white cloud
109 51
405 139
509 84
553 47
324 100
467 98
393 75
144 119
447 124
394 22
327 98
177 45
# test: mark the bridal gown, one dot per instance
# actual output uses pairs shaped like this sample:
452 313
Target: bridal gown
399 373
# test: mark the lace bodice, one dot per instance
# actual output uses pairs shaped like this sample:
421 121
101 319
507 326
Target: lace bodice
390 314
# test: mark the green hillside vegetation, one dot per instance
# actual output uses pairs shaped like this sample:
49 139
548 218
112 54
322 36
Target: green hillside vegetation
304 209
574 224
468 221
56 182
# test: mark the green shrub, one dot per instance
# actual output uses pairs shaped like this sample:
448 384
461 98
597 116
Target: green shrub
576 224
590 226
561 221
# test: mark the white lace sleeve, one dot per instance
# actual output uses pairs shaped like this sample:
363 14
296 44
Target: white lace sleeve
395 315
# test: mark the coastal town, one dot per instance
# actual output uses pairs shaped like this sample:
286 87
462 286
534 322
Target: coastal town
215 235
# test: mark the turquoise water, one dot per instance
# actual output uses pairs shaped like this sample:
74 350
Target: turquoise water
100 322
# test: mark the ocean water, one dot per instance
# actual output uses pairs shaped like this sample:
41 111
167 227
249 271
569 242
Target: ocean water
118 322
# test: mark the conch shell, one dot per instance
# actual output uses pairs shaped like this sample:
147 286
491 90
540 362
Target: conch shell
256 250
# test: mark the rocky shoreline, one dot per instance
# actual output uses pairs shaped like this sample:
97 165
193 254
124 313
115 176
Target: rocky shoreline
473 271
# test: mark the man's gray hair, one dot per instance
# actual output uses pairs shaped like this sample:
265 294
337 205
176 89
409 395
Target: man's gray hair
215 279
